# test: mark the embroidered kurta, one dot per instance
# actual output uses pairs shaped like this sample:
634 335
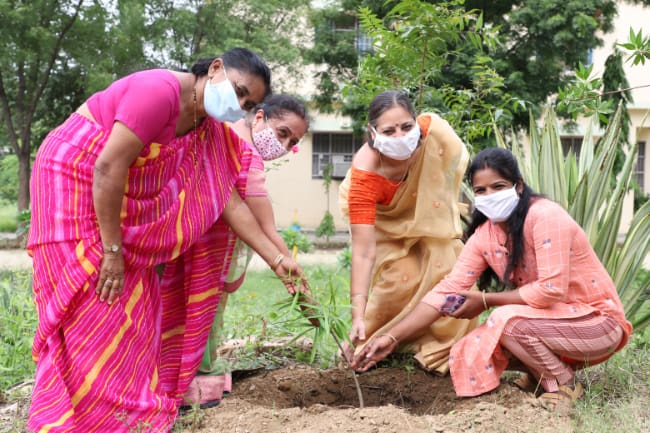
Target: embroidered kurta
560 277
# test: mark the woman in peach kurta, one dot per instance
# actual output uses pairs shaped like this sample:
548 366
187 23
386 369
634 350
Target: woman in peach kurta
560 310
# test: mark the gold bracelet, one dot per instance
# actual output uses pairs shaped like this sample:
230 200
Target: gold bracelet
277 261
392 337
484 301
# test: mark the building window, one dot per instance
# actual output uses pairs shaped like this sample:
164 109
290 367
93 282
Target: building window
362 42
640 165
347 27
573 144
333 148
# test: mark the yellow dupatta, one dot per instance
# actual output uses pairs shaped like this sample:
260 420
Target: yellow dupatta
418 241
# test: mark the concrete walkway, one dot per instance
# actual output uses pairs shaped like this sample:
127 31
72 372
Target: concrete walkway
14 259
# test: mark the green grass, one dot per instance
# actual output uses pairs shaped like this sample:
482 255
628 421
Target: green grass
616 392
17 327
260 308
8 217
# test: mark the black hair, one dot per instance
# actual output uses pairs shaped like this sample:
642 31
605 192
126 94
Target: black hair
276 106
242 59
384 102
504 163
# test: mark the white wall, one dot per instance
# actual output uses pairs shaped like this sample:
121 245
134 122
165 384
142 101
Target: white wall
293 191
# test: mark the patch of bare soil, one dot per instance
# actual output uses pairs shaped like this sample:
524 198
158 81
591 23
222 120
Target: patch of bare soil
299 398
303 399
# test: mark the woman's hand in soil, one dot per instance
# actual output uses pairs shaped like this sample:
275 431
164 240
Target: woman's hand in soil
379 348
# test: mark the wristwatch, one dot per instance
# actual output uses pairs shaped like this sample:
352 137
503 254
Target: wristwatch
114 248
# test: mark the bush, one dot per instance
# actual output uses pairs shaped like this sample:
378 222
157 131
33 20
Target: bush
326 227
9 178
8 217
593 192
344 259
297 238
18 319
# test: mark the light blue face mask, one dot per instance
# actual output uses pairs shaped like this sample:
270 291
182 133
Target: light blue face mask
220 100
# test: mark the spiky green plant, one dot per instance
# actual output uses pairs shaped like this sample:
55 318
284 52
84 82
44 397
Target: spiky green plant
325 318
590 190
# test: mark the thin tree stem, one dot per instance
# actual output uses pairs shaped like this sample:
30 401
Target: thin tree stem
354 374
421 90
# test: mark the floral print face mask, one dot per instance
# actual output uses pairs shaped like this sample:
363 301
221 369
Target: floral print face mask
268 145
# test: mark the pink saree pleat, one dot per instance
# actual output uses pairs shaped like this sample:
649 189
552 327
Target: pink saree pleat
104 368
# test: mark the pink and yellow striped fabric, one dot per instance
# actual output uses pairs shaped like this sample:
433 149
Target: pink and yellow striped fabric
125 367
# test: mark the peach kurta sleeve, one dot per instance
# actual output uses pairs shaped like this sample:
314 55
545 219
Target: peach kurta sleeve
469 267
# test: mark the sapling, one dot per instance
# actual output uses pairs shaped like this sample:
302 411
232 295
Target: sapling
325 318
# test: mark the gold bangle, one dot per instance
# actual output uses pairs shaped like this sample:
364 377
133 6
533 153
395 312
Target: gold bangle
392 337
277 261
484 301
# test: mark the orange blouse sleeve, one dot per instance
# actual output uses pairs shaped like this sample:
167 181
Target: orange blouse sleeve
424 121
366 190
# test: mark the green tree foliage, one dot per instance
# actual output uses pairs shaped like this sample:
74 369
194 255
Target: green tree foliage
537 42
542 39
639 45
187 30
337 34
34 36
54 54
415 45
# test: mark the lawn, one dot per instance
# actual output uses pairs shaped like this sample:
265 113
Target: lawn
616 396
8 217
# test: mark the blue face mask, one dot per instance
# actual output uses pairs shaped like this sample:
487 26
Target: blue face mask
220 100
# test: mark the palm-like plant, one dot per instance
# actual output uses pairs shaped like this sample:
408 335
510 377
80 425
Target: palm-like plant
593 194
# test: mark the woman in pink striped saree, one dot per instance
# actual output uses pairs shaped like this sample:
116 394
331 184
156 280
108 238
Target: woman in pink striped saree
124 364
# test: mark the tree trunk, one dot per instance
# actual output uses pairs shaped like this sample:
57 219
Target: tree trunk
24 172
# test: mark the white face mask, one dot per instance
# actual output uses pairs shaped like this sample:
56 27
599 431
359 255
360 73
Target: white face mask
497 206
268 145
397 147
220 100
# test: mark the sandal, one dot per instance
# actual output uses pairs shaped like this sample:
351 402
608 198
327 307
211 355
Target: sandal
563 398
